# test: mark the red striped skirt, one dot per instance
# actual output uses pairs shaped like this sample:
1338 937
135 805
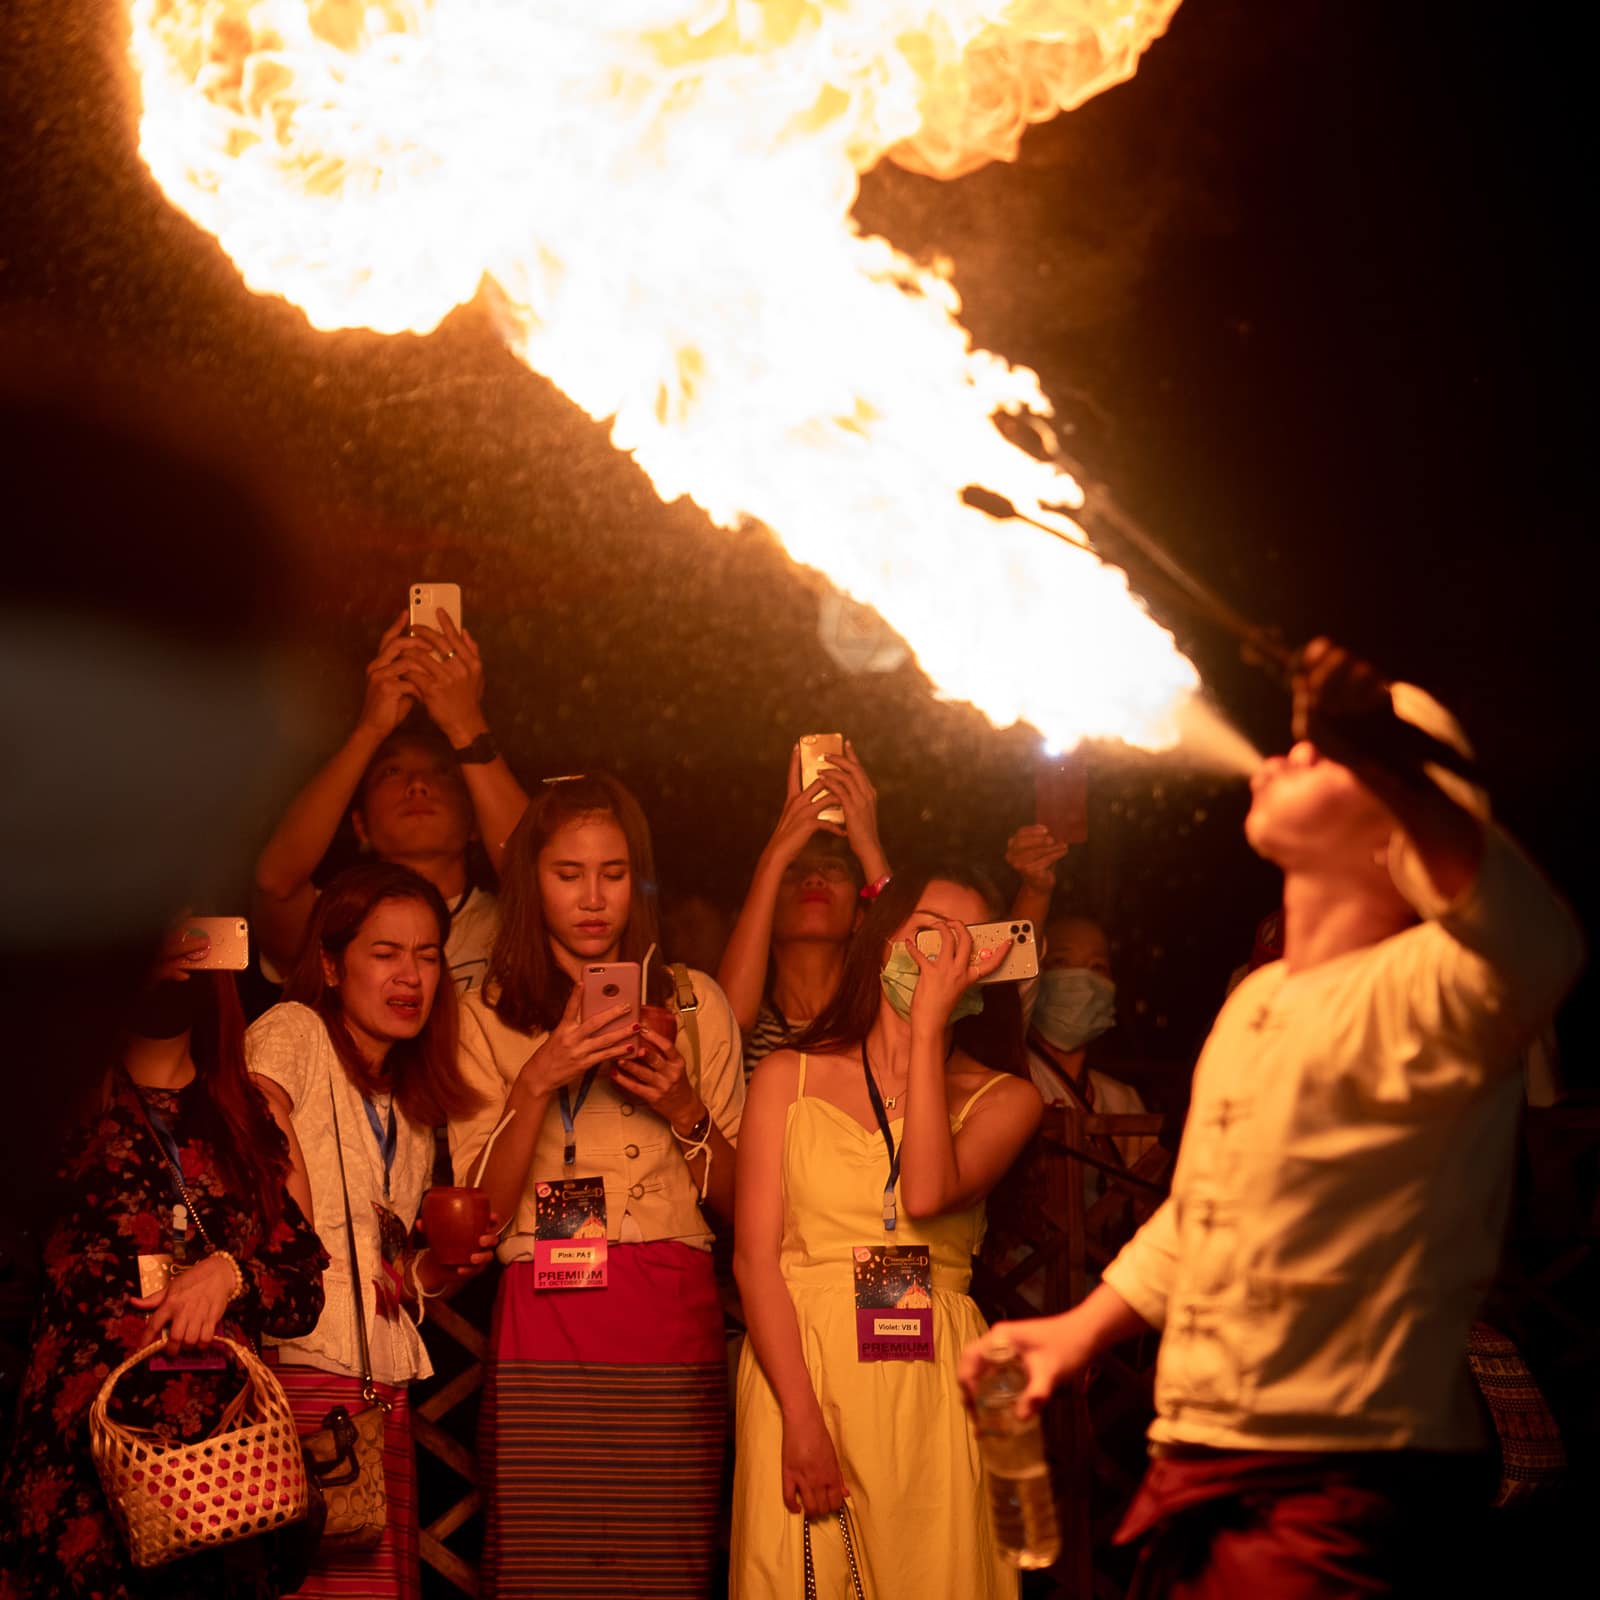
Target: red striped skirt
391 1571
603 1428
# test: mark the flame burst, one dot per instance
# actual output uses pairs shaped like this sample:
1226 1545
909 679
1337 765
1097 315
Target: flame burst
656 195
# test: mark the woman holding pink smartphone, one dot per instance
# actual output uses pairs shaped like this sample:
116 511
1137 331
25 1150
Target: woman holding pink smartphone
605 1139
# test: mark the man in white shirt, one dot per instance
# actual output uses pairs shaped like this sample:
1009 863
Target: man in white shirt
1344 1179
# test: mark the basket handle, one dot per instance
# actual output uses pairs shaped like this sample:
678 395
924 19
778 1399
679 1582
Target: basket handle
246 1358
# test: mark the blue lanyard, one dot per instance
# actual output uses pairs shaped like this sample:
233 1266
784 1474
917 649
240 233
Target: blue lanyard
569 1150
183 1211
888 1138
387 1141
169 1144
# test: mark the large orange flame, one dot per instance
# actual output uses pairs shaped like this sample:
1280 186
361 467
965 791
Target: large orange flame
658 194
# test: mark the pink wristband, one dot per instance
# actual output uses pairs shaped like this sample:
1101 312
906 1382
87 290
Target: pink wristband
872 890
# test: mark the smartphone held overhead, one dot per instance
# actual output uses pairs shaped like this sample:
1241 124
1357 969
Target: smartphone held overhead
1061 798
1021 960
229 950
427 600
815 748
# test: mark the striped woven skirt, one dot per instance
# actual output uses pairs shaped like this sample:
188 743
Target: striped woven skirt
392 1570
603 1429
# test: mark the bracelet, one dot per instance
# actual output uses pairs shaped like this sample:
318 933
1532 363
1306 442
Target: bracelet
697 1142
871 891
423 1293
698 1134
238 1274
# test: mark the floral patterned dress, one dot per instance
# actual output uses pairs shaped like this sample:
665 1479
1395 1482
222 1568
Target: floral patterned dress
117 1203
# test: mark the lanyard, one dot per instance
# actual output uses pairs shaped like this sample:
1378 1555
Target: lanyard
183 1212
159 1126
888 1139
388 1140
569 1151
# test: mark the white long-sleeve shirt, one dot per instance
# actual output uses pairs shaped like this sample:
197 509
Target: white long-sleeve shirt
1343 1182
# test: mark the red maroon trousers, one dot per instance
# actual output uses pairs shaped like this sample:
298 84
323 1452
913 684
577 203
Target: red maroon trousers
1221 1524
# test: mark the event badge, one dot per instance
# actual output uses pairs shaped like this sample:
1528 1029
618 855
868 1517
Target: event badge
894 1302
569 1234
389 1286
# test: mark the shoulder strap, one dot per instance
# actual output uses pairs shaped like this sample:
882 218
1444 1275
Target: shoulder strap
978 1093
688 1004
368 1392
800 1083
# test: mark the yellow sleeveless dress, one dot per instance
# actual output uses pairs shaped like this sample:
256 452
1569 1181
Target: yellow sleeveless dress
919 1521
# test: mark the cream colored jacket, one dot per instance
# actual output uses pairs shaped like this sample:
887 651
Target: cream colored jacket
649 1194
290 1045
1344 1177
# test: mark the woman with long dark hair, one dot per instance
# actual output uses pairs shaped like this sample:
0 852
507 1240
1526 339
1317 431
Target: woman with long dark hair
867 1152
361 1057
181 1208
606 1402
809 891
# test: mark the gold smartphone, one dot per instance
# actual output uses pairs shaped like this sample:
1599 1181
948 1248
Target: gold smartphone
815 748
429 599
230 943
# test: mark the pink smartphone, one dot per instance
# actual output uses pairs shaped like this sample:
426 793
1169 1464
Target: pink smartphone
230 943
611 983
429 599
815 748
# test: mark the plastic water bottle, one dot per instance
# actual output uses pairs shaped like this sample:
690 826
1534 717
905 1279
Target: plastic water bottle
1020 1498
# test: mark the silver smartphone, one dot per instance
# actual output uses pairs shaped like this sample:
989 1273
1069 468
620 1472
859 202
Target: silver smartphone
1022 959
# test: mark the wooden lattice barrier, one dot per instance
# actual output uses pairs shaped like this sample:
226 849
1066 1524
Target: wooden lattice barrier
444 1420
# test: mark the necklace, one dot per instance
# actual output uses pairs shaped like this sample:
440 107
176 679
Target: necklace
890 1101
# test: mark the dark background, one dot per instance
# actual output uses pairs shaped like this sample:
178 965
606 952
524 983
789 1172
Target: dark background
1305 292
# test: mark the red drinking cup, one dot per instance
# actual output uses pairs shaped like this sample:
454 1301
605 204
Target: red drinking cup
660 1019
455 1220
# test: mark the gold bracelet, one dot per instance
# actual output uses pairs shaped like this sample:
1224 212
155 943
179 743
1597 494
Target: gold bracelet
238 1274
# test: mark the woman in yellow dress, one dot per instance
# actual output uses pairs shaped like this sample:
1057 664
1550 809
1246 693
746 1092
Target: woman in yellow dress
864 1158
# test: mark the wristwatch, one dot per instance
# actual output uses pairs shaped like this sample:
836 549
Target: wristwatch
479 753
698 1134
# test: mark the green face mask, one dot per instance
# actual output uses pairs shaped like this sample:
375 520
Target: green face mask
899 979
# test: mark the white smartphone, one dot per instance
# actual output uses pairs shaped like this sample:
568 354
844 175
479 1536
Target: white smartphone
1022 959
230 943
815 748
429 599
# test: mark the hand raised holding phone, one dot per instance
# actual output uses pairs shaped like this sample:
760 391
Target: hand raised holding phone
949 971
800 817
846 780
389 696
444 670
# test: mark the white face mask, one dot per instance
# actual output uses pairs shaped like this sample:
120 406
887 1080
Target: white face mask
1074 1006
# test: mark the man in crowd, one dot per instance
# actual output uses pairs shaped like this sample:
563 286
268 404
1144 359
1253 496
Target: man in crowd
419 789
1343 1183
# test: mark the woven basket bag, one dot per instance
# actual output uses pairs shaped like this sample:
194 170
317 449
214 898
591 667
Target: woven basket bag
247 1477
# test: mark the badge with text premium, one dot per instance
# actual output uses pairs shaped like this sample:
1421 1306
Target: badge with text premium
569 1234
894 1302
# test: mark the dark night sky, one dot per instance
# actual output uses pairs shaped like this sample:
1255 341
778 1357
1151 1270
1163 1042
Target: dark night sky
1306 291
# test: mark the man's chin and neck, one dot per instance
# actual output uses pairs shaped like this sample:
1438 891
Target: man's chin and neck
444 866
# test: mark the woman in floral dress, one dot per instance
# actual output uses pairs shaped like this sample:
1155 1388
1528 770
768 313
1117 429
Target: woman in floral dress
121 1222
